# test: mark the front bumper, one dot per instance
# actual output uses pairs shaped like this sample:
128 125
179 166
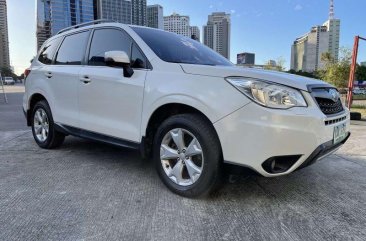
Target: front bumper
254 134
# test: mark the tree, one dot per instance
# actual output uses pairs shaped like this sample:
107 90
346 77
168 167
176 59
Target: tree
280 65
303 73
337 72
361 72
6 72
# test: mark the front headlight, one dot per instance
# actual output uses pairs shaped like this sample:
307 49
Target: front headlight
268 94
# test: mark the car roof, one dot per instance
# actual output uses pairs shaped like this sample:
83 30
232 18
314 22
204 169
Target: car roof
86 26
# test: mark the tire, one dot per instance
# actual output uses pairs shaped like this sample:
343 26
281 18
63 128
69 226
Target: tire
193 180
52 139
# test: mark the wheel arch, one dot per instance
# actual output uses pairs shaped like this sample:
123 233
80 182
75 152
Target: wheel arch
35 97
162 113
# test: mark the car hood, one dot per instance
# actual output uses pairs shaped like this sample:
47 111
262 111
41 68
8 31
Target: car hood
291 80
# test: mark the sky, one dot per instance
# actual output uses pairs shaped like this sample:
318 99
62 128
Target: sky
264 27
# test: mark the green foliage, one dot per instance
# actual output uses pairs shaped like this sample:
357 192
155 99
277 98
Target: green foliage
303 73
280 65
6 72
337 72
360 73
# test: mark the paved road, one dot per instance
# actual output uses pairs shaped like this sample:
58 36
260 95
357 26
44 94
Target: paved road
11 115
91 191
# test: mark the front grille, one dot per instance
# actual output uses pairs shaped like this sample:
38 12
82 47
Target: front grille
327 98
329 107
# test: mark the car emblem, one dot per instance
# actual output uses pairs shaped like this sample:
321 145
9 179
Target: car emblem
335 95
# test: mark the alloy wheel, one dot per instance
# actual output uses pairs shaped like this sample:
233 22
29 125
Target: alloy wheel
41 125
182 157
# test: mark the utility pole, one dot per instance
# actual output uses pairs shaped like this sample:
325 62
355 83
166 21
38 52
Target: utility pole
3 89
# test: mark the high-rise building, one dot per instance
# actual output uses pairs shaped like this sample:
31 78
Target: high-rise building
155 16
4 39
54 15
334 28
177 24
307 50
139 12
195 33
115 10
216 34
245 58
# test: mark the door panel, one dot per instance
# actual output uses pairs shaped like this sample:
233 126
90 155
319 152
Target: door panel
64 85
111 104
64 78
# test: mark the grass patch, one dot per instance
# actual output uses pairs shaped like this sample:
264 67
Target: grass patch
359 107
359 97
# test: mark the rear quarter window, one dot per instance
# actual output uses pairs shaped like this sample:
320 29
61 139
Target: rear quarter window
48 51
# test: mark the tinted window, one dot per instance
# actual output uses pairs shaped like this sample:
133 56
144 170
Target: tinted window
105 40
138 60
175 48
48 51
72 49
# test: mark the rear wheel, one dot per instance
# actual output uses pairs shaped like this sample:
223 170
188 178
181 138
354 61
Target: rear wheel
187 155
43 129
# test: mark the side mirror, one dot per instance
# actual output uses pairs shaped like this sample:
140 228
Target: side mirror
119 59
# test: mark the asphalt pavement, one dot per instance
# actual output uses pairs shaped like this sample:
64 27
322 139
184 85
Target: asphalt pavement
91 191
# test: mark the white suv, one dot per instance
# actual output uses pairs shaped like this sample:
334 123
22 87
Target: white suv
180 102
9 81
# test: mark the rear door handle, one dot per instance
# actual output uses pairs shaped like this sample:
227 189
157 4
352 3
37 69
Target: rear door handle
48 74
85 79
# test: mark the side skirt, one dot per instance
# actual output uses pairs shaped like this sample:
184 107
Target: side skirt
69 130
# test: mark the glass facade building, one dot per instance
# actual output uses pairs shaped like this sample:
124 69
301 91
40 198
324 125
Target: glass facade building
54 15
139 12
155 16
115 10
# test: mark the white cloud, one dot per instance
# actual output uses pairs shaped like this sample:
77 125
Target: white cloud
298 7
233 11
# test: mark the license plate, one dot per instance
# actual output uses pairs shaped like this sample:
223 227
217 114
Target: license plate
339 133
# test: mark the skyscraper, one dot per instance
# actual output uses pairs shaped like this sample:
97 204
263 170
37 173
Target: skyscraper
139 12
54 15
155 16
115 10
195 33
307 50
177 24
4 39
216 34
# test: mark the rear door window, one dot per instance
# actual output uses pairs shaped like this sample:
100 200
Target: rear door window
72 50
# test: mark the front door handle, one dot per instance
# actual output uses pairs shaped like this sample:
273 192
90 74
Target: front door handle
85 79
48 75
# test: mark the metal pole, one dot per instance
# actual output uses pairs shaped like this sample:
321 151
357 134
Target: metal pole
352 72
3 88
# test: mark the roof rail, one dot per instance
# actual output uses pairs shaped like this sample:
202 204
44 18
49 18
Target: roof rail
99 21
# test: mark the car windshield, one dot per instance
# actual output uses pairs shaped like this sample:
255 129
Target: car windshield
175 48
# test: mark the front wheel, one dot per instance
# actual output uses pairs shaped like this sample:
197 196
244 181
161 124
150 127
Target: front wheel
187 155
